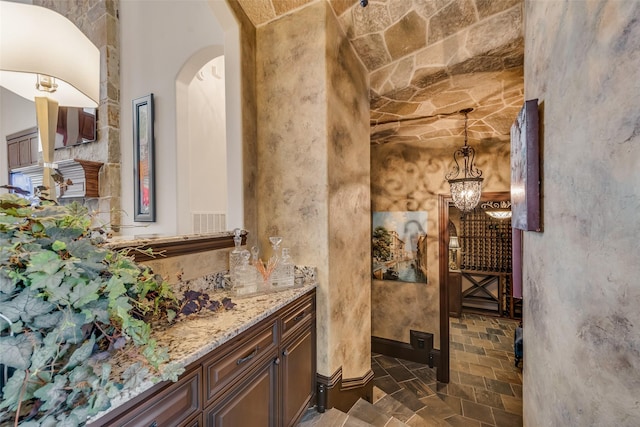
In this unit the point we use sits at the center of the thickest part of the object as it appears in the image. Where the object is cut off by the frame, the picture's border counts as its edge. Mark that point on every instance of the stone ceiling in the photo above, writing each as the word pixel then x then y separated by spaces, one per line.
pixel 429 59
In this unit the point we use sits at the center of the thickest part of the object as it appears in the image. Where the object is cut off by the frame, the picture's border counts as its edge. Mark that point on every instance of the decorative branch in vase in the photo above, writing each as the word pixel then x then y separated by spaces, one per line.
pixel 266 270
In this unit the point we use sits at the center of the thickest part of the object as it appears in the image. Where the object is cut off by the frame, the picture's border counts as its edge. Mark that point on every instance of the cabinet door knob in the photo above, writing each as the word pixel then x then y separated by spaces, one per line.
pixel 277 361
pixel 299 316
pixel 154 424
pixel 285 353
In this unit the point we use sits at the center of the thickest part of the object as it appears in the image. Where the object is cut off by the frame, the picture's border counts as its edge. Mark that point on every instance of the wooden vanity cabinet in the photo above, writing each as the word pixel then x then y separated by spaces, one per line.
pixel 265 376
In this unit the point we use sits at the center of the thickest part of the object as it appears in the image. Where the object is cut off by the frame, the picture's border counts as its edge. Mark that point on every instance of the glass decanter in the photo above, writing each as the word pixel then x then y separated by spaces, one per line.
pixel 286 270
pixel 235 259
pixel 275 259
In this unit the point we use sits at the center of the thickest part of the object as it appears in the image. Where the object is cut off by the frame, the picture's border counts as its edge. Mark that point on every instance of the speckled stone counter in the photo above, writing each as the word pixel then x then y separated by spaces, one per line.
pixel 195 336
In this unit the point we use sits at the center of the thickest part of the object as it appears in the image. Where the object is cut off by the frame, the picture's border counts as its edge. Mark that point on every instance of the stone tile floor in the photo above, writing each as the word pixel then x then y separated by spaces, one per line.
pixel 485 387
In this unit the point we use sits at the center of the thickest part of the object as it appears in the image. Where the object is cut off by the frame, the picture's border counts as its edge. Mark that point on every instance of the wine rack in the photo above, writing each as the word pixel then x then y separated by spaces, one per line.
pixel 486 263
pixel 485 243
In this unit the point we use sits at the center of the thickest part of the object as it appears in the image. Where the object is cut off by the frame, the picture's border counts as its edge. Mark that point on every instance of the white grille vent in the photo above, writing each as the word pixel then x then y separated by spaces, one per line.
pixel 208 222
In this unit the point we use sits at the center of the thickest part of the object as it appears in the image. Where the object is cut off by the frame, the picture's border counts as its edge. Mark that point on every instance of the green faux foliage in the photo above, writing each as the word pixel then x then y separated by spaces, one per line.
pixel 73 304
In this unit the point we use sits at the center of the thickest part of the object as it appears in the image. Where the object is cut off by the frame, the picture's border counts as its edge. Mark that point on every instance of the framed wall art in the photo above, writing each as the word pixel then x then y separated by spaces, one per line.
pixel 143 158
pixel 525 169
pixel 399 246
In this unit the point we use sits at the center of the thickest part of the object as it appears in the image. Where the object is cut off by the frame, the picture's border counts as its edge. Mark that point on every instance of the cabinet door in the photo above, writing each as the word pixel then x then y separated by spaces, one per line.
pixel 298 375
pixel 13 151
pixel 25 152
pixel 33 149
pixel 252 403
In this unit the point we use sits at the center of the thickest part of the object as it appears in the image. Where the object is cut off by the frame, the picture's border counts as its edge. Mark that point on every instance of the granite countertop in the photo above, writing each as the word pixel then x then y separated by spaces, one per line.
pixel 195 336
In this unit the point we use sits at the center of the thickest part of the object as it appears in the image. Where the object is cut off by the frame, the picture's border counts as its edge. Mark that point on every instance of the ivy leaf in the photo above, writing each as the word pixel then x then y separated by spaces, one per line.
pixel 7 283
pixel 10 220
pixel 81 354
pixel 115 287
pixel 101 401
pixel 58 291
pixel 47 321
pixel 106 372
pixel 17 327
pixel 71 328
pixel 135 375
pixel 120 306
pixel 41 280
pixel 16 351
pixel 126 269
pixel 64 234
pixel 172 372
pixel 59 246
pixel 11 390
pixel 26 305
pixel 83 294
pixel 96 311
pixel 52 394
pixel 43 354
pixel 80 374
pixel 85 250
pixel 73 418
pixel 5 251
pixel 44 261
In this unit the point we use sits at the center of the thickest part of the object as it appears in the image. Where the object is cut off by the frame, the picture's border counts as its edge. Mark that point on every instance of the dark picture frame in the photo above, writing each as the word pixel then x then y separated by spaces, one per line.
pixel 525 169
pixel 143 159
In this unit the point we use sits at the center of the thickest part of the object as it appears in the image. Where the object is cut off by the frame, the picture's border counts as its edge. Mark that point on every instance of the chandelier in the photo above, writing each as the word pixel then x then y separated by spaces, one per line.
pixel 465 178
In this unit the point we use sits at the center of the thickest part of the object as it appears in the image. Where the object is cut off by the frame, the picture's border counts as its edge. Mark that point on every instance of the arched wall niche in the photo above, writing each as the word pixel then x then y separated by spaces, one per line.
pixel 201 140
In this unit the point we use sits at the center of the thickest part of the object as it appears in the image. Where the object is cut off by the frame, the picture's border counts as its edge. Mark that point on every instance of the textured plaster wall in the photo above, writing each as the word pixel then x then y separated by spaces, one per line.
pixel 409 177
pixel 581 289
pixel 349 202
pixel 312 177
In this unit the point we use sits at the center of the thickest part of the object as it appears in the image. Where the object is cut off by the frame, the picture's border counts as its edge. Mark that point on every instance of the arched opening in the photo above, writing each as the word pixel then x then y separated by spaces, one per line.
pixel 202 143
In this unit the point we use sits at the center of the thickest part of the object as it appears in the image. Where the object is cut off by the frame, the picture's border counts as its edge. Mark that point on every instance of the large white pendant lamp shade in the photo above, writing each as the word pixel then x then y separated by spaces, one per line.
pixel 35 40
pixel 44 57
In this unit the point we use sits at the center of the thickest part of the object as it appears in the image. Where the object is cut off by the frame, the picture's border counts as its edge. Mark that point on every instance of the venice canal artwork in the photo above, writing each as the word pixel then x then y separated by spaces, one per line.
pixel 399 246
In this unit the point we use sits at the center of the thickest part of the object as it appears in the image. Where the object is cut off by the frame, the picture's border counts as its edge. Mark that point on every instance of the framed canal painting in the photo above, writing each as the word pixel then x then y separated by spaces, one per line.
pixel 399 246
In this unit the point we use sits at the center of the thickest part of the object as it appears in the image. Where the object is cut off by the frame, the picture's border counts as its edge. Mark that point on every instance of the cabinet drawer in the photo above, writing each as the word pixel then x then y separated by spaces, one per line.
pixel 232 361
pixel 169 407
pixel 298 315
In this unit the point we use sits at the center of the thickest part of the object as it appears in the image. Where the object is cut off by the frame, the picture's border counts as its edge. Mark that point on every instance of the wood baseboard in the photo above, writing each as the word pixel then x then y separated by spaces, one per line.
pixel 419 348
pixel 339 393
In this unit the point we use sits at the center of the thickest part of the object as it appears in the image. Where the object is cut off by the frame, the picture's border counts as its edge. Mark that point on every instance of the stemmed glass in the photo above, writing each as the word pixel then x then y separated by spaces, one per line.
pixel 275 246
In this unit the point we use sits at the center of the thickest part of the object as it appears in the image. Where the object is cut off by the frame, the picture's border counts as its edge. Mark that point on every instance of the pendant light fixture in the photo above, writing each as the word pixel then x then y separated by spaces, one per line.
pixel 465 179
